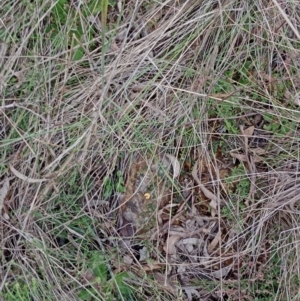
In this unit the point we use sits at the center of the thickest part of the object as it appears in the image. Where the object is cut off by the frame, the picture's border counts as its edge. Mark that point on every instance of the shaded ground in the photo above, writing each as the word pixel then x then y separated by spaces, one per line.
pixel 152 158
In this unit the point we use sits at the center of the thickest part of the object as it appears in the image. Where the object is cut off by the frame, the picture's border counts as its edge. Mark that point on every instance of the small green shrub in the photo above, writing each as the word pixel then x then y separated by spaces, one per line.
pixel 279 129
pixel 103 281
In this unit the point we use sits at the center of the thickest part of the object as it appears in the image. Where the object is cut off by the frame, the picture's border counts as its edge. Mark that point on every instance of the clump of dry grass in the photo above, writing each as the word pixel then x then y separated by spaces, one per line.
pixel 186 78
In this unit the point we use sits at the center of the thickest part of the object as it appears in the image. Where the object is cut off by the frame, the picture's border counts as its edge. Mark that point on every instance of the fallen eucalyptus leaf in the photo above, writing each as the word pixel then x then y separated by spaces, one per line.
pixel 175 164
pixel 151 266
pixel 248 131
pixel 169 246
pixel 190 291
pixel 190 244
pixel 4 191
pixel 128 260
pixel 213 205
pixel 144 254
pixel 214 200
pixel 222 272
pixel 258 151
pixel 3 49
pixel 24 178
pixel 191 241
pixel 243 157
pixel 214 242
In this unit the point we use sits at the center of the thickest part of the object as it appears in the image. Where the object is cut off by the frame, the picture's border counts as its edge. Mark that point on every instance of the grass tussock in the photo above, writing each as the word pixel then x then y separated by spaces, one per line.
pixel 99 99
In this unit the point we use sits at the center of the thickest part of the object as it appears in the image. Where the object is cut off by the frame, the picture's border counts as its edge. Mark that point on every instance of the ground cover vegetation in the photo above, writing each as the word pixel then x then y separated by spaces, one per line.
pixel 149 150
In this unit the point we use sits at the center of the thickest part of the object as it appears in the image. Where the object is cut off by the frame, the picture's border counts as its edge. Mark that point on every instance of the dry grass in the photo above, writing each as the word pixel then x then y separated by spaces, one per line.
pixel 172 77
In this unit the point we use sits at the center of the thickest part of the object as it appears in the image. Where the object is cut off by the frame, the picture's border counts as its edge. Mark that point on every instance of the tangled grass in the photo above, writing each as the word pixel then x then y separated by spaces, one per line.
pixel 187 78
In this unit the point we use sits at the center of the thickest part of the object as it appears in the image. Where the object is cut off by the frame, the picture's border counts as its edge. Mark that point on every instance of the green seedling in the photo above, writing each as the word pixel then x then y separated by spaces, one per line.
pixel 114 185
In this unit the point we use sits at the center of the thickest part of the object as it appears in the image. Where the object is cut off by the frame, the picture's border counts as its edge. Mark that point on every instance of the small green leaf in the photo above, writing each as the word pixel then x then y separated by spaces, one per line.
pixel 98 266
pixel 268 117
pixel 60 12
pixel 108 187
pixel 123 286
pixel 120 188
pixel 85 295
pixel 78 54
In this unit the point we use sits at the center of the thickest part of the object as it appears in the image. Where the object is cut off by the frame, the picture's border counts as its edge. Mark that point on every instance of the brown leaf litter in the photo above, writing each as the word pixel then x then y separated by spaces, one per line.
pixel 193 240
pixel 183 230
